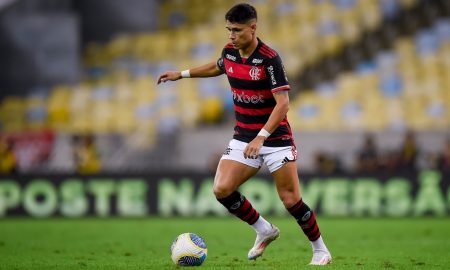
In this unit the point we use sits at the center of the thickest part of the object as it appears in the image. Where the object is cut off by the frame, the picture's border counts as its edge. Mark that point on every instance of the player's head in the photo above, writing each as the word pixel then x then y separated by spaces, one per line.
pixel 241 24
pixel 241 13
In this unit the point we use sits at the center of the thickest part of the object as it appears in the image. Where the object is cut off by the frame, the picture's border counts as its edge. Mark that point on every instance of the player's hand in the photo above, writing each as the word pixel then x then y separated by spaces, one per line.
pixel 169 76
pixel 253 147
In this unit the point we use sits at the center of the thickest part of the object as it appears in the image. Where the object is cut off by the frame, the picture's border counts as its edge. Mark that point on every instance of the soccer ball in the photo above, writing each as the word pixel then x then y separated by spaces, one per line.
pixel 188 249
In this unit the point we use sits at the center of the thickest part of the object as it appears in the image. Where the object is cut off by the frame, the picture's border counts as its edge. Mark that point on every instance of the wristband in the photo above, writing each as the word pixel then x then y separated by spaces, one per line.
pixel 185 73
pixel 264 133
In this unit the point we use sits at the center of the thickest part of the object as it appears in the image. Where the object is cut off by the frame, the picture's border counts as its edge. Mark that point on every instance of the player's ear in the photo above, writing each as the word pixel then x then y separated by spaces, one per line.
pixel 253 27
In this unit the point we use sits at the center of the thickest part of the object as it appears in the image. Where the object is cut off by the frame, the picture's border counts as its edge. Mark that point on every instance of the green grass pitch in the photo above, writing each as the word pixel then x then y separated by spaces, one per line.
pixel 145 243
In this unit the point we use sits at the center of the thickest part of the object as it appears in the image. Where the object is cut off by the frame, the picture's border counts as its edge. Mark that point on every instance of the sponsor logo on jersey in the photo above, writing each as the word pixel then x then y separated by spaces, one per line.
pixel 255 73
pixel 272 75
pixel 242 97
pixel 230 57
pixel 230 70
pixel 257 61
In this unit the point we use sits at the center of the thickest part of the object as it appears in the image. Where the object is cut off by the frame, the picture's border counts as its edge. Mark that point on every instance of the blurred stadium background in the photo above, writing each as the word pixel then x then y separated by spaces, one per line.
pixel 78 99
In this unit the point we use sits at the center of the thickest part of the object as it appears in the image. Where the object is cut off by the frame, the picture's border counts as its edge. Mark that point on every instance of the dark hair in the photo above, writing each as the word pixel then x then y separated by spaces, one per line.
pixel 241 13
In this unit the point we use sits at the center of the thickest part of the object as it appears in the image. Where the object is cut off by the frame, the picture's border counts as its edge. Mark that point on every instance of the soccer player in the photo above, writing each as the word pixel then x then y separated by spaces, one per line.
pixel 262 132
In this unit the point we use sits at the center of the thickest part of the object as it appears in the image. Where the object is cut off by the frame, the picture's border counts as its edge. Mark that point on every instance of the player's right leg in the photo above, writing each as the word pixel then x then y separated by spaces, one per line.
pixel 234 170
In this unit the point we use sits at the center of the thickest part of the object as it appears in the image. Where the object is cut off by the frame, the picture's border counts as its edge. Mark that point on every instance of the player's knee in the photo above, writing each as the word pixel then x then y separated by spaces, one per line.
pixel 221 191
pixel 289 199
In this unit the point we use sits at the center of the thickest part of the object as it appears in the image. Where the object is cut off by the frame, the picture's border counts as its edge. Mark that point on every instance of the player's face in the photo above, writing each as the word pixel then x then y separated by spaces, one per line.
pixel 241 34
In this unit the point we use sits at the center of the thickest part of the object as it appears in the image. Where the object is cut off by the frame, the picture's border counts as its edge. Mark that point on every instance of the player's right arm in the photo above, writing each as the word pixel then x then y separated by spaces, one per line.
pixel 207 70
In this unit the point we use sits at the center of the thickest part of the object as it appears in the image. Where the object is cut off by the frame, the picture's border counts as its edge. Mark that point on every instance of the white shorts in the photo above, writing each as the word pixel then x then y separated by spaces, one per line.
pixel 273 157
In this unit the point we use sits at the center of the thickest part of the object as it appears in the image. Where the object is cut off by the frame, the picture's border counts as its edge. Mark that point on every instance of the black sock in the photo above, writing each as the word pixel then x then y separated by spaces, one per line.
pixel 306 219
pixel 239 206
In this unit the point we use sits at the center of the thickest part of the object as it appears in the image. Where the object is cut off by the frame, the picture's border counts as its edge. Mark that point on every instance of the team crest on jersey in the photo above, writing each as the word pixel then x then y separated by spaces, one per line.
pixel 255 73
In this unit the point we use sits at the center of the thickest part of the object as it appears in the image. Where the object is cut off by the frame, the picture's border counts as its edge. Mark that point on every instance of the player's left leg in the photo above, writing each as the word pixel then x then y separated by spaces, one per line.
pixel 288 187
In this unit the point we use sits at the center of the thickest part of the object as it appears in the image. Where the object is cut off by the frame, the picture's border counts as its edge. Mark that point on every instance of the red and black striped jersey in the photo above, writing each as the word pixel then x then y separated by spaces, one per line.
pixel 253 82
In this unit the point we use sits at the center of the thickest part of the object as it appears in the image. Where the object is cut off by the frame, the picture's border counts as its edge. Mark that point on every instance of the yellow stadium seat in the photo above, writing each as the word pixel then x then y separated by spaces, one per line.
pixel 58 107
pixel 211 110
pixel 12 114
pixel 375 114
pixel 407 4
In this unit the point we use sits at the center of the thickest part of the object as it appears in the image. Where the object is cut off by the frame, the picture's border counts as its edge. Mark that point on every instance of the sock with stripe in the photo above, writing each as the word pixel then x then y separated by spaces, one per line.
pixel 306 219
pixel 238 205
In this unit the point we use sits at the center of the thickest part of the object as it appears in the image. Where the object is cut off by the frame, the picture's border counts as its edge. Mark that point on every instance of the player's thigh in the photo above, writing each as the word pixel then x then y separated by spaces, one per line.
pixel 287 183
pixel 230 175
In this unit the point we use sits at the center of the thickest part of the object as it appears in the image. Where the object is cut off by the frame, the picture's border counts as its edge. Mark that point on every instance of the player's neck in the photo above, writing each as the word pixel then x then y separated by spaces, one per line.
pixel 246 52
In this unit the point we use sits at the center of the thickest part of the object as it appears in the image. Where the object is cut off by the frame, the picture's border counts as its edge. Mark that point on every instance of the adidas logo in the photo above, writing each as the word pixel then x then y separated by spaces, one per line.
pixel 230 70
pixel 286 160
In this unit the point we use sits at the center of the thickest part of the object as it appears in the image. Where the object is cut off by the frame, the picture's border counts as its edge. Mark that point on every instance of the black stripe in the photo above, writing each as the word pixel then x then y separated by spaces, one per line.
pixel 254 219
pixel 230 200
pixel 252 216
pixel 280 131
pixel 243 214
pixel 252 119
pixel 251 133
pixel 244 84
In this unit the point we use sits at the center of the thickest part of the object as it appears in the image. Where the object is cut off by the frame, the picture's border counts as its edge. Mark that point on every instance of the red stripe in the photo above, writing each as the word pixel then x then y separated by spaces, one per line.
pixel 288 126
pixel 279 137
pixel 256 126
pixel 243 208
pixel 314 233
pixel 241 71
pixel 281 88
pixel 271 54
pixel 297 206
pixel 249 126
pixel 266 54
pixel 269 49
pixel 246 218
pixel 267 93
pixel 253 111
pixel 311 220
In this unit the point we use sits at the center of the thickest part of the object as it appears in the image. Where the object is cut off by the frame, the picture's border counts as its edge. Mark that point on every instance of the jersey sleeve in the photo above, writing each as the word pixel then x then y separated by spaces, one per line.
pixel 220 63
pixel 277 75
